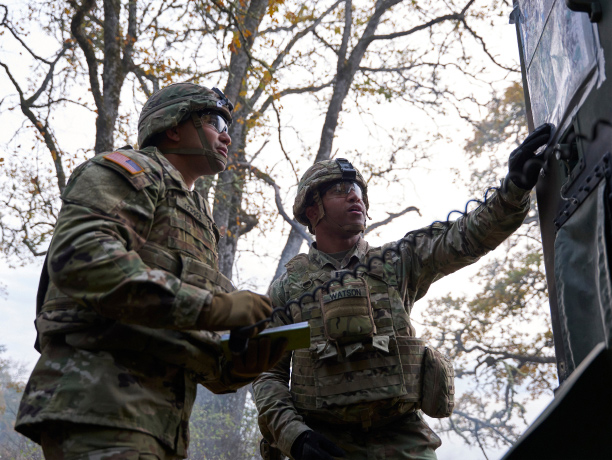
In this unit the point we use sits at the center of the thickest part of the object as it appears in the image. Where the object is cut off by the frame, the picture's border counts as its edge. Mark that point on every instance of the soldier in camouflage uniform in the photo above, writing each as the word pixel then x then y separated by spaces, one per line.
pixel 356 392
pixel 131 292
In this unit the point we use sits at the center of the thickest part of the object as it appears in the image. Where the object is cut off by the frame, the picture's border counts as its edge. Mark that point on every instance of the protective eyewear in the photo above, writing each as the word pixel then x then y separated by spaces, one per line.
pixel 215 120
pixel 343 188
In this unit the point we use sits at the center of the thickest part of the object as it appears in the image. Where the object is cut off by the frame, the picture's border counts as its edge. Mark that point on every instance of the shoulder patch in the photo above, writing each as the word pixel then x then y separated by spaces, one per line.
pixel 298 263
pixel 125 162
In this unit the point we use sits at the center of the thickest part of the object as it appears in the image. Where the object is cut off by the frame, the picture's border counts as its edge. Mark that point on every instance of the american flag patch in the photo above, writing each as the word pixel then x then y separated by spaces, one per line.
pixel 124 162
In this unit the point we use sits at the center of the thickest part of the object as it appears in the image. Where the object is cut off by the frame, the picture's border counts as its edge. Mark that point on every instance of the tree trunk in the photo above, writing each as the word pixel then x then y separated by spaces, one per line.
pixel 112 79
pixel 346 70
pixel 227 204
pixel 292 247
pixel 228 411
pixel 114 66
pixel 228 194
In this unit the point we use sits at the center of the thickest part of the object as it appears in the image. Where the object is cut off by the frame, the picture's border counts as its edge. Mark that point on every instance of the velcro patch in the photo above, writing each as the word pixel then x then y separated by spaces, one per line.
pixel 343 293
pixel 125 162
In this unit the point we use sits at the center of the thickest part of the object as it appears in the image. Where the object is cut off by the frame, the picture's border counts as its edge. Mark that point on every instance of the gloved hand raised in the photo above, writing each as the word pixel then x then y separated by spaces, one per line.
pixel 258 357
pixel 311 445
pixel 524 167
pixel 236 309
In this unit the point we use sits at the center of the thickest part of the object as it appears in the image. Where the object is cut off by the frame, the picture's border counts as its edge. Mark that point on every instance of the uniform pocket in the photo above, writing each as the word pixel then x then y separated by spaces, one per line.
pixel 438 384
pixel 204 276
pixel 347 313
pixel 411 351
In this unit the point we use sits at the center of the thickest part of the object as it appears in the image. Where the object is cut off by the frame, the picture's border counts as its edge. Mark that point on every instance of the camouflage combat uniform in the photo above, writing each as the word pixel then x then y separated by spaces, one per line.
pixel 358 394
pixel 132 264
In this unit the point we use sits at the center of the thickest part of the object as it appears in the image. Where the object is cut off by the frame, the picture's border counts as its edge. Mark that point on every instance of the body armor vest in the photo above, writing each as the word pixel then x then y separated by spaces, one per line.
pixel 183 241
pixel 362 345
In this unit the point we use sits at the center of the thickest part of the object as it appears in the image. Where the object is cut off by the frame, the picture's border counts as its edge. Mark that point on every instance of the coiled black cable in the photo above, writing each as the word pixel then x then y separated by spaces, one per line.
pixel 240 336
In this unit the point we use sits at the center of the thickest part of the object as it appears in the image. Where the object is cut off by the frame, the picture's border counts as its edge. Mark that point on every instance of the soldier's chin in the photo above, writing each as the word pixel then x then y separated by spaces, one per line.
pixel 354 229
pixel 217 163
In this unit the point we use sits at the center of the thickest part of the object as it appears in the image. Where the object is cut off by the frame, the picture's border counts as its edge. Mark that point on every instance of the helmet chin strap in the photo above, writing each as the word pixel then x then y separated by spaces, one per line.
pixel 211 155
pixel 351 229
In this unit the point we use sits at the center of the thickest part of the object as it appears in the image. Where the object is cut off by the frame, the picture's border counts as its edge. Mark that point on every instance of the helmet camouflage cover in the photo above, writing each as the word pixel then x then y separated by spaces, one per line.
pixel 169 106
pixel 321 173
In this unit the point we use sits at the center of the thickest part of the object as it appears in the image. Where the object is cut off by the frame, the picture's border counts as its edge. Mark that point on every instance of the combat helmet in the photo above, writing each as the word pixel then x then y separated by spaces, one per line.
pixel 169 106
pixel 318 175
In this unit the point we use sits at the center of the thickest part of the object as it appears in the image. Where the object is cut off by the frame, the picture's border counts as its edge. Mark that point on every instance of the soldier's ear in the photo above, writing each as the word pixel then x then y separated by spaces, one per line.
pixel 173 134
pixel 312 213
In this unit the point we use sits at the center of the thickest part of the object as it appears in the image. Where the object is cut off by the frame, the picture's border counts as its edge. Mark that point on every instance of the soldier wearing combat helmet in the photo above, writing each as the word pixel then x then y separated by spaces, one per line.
pixel 360 389
pixel 319 179
pixel 131 294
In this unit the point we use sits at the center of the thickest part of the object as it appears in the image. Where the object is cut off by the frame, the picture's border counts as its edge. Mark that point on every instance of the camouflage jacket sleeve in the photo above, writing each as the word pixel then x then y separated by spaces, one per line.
pixel 279 421
pixel 436 251
pixel 104 221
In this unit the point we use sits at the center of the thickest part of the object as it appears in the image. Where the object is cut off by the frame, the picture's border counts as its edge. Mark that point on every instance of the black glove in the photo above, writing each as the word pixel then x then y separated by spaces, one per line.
pixel 268 452
pixel 524 167
pixel 311 445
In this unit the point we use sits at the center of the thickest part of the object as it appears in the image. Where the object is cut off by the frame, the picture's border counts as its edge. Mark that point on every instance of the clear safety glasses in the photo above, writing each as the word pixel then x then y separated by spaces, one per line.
pixel 215 120
pixel 343 189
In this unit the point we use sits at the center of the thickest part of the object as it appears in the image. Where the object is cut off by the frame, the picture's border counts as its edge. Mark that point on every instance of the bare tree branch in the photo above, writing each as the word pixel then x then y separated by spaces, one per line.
pixel 486 50
pixel 286 92
pixel 131 36
pixel 280 142
pixel 346 35
pixel 18 38
pixel 277 198
pixel 76 27
pixel 447 17
pixel 283 54
pixel 325 42
pixel 42 129
pixel 485 423
pixel 519 357
pixel 391 217
pixel 49 75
